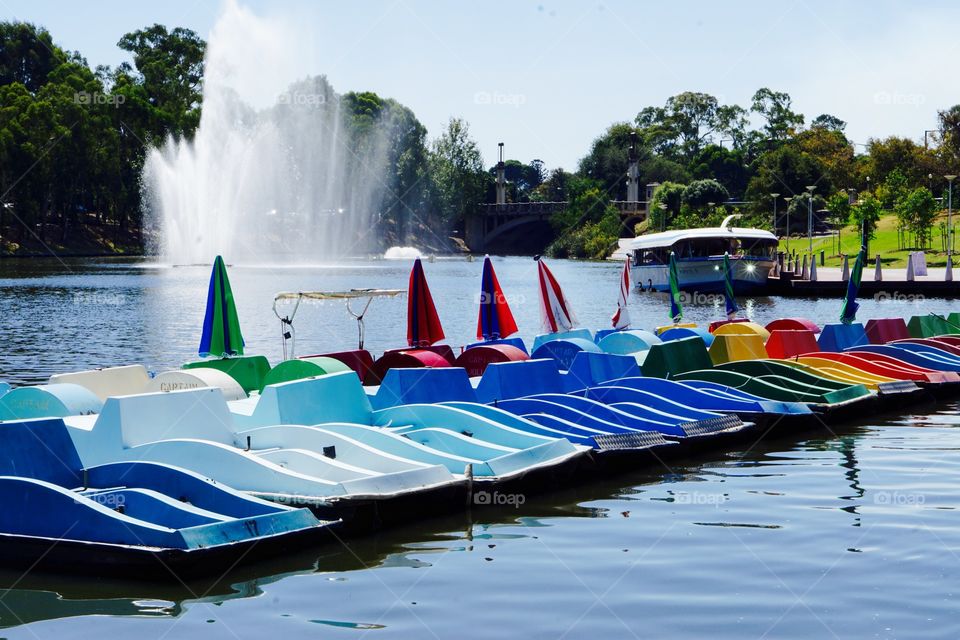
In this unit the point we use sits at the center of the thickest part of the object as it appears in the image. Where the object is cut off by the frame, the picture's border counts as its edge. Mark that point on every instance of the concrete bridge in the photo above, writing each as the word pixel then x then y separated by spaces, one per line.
pixel 524 227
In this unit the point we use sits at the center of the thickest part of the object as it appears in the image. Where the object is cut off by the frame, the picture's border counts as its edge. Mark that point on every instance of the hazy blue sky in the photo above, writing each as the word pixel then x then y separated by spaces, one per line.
pixel 547 77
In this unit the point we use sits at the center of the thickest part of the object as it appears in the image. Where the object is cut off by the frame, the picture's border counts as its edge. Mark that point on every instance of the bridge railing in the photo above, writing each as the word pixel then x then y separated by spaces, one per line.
pixel 625 207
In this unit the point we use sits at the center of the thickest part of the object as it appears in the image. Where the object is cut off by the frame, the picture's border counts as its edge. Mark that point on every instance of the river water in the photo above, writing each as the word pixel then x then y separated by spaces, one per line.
pixel 847 533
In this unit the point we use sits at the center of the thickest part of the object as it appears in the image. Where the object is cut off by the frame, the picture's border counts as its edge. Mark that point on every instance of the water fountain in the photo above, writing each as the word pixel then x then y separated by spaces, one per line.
pixel 275 172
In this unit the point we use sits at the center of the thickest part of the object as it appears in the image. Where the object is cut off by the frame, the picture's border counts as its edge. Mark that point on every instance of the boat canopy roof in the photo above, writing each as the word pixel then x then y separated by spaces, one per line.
pixel 669 238
pixel 338 295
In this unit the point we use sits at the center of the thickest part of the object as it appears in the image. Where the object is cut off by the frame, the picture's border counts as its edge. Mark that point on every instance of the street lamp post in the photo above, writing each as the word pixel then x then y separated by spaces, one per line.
pixel 810 218
pixel 950 179
pixel 774 196
pixel 787 200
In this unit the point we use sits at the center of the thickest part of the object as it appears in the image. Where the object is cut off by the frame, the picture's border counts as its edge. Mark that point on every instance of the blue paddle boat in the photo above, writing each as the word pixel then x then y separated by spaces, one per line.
pixel 132 519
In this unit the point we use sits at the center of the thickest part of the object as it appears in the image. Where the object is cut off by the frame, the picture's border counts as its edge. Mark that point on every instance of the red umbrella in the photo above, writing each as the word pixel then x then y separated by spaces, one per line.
pixel 423 323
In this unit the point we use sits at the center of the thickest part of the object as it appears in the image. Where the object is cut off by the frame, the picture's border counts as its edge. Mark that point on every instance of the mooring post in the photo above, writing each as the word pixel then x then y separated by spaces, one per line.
pixel 804 272
pixel 911 275
pixel 813 269
pixel 846 268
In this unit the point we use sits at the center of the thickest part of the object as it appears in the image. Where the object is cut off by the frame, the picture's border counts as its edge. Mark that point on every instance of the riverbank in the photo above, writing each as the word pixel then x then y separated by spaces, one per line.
pixel 84 241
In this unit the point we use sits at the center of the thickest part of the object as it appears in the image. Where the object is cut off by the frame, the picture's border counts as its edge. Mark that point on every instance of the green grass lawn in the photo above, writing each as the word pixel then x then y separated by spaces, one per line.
pixel 884 242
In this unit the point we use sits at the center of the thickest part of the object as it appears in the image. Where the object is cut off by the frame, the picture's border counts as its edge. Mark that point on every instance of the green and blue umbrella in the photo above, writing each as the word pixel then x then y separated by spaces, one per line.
pixel 848 313
pixel 676 310
pixel 731 301
pixel 221 328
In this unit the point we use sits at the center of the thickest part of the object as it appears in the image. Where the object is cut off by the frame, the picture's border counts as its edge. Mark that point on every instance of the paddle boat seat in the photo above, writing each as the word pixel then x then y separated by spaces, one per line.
pixel 929 326
pixel 578 334
pixel 628 342
pixel 590 369
pixel 677 333
pixel 48 401
pixel 248 371
pixel 792 324
pixel 511 342
pixel 300 368
pixel 475 359
pixel 563 350
pixel 359 360
pixel 884 330
pixel 840 337
pixel 671 358
pixel 111 381
pixel 133 518
pixel 199 378
pixel 404 359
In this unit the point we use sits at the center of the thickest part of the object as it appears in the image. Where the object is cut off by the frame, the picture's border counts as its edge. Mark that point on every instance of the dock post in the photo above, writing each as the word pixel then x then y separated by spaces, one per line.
pixel 796 265
pixel 911 275
pixel 804 273
pixel 846 268
pixel 948 276
pixel 813 269
pixel 878 274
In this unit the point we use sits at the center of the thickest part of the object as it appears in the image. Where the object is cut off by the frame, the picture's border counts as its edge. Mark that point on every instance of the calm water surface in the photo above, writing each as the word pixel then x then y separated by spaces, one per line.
pixel 846 534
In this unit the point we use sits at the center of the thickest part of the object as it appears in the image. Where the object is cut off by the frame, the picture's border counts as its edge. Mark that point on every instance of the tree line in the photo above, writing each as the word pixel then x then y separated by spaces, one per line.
pixel 73 140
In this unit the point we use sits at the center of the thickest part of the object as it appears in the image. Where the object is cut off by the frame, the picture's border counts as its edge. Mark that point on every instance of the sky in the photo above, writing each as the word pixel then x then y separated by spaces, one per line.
pixel 547 77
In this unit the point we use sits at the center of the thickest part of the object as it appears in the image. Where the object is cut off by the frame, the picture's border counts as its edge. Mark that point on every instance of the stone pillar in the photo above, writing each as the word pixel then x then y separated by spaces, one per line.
pixel 633 170
pixel 501 180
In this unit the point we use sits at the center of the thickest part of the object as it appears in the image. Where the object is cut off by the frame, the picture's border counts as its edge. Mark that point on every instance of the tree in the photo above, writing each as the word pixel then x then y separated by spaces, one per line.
pixel 703 192
pixel 170 64
pixel 865 214
pixel 833 150
pixel 774 106
pixel 787 171
pixel 901 154
pixel 665 205
pixel 829 123
pixel 607 159
pixel 726 166
pixel 456 167
pixel 918 209
pixel 688 122
pixel 27 55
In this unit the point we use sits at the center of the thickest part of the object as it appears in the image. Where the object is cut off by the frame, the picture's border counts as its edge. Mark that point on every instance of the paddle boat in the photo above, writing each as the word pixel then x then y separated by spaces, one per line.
pixel 135 519
pixel 194 429
pixel 535 390
pixel 493 456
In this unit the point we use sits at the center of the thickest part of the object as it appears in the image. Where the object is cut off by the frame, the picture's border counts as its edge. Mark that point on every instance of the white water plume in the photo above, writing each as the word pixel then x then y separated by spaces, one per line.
pixel 275 172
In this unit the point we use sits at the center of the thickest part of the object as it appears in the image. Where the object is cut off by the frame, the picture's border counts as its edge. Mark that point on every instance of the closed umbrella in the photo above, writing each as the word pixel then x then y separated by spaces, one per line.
pixel 423 323
pixel 676 310
pixel 555 311
pixel 621 319
pixel 848 313
pixel 732 307
pixel 495 320
pixel 221 328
